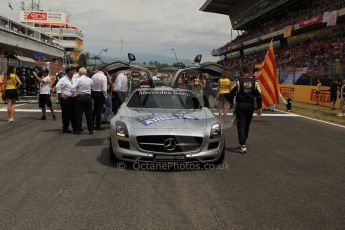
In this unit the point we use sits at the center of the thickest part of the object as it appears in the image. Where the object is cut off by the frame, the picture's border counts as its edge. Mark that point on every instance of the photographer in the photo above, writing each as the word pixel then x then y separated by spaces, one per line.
pixel 44 97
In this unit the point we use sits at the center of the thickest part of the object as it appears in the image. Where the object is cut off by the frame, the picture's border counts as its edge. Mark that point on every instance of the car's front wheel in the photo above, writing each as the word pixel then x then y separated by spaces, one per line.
pixel 222 156
pixel 113 159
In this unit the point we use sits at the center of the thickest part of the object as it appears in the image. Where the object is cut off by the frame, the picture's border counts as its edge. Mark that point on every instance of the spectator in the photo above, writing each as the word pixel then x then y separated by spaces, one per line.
pixel 82 89
pixel 206 90
pixel 334 92
pixel 120 89
pixel 11 93
pixel 99 95
pixel 342 99
pixel 65 94
pixel 224 84
pixel 318 91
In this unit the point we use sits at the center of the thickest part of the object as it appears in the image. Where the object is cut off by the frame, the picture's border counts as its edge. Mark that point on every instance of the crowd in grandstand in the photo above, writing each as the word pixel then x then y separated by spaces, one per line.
pixel 311 53
pixel 292 17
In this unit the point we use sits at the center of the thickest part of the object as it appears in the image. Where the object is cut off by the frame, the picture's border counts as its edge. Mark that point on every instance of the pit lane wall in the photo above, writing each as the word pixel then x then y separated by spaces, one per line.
pixel 307 94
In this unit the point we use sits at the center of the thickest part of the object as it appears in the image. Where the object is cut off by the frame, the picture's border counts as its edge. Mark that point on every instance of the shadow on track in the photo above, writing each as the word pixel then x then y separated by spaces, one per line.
pixel 232 150
pixel 91 142
pixel 52 131
pixel 171 167
pixel 103 158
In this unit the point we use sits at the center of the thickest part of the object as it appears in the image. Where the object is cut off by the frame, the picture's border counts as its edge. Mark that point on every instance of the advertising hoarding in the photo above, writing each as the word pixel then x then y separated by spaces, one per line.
pixel 43 17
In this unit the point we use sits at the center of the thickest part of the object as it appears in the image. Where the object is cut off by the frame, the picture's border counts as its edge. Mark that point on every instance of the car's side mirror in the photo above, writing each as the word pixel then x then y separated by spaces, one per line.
pixel 131 57
pixel 198 58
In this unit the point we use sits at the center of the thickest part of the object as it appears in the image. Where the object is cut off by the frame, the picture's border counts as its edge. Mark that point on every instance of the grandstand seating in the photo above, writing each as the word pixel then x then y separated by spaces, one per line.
pixel 291 17
pixel 315 48
pixel 306 54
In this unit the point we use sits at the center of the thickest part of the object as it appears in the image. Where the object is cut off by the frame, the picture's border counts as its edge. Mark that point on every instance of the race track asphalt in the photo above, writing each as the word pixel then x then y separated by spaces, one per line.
pixel 293 177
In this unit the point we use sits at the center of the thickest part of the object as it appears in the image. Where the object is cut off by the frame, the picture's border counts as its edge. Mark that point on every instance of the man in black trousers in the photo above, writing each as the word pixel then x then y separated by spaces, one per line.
pixel 64 91
pixel 246 90
pixel 99 95
pixel 81 87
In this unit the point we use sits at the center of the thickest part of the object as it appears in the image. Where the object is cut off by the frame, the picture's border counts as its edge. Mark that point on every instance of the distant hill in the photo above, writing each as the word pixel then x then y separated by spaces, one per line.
pixel 146 57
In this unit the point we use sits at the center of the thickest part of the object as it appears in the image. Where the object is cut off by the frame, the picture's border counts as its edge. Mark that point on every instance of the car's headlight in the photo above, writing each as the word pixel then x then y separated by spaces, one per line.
pixel 216 131
pixel 121 129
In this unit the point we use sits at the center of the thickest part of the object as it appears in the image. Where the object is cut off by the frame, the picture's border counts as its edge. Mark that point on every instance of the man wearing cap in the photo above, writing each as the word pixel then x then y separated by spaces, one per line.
pixel 44 96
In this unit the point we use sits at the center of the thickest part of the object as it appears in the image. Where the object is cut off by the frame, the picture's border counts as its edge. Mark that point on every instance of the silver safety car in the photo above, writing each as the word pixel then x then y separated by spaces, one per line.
pixel 164 124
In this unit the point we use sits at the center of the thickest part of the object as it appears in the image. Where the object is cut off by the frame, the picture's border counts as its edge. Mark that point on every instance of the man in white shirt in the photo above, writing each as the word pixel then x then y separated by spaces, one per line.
pixel 44 96
pixel 120 89
pixel 99 95
pixel 75 73
pixel 64 91
pixel 82 87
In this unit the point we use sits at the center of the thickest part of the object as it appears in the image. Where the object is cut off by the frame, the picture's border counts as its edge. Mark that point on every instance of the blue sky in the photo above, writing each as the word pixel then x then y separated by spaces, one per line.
pixel 147 26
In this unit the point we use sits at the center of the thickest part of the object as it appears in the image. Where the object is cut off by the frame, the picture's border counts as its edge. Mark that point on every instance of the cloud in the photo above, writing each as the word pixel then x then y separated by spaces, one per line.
pixel 149 26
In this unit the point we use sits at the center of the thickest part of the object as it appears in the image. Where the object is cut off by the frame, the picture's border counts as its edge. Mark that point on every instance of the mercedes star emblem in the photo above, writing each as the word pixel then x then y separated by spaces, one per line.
pixel 170 144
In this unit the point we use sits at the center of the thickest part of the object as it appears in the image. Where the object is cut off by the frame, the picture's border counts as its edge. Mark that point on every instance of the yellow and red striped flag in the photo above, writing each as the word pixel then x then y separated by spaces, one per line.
pixel 268 79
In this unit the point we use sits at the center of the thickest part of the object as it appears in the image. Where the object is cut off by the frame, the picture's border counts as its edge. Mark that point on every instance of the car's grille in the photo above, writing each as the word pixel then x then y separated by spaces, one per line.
pixel 169 144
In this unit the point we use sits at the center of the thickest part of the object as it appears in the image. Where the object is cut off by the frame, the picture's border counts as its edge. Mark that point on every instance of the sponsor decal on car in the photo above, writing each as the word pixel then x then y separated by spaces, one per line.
pixel 147 122
pixel 163 92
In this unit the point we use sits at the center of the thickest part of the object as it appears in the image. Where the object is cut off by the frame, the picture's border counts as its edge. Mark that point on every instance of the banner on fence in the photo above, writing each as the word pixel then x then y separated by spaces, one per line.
pixel 306 94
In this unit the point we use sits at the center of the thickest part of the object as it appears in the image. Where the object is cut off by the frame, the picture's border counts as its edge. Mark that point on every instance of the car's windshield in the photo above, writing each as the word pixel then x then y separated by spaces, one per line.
pixel 163 99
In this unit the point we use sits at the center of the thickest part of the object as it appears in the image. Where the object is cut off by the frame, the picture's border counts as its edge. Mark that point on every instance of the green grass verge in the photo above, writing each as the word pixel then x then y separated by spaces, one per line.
pixel 314 111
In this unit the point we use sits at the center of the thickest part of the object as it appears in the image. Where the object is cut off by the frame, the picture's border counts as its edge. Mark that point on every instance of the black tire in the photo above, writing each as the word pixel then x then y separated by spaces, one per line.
pixel 113 159
pixel 221 159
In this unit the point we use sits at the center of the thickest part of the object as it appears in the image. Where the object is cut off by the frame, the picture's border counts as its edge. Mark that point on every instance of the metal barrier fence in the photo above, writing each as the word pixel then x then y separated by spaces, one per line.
pixel 330 72
pixel 30 86
pixel 310 76
pixel 53 68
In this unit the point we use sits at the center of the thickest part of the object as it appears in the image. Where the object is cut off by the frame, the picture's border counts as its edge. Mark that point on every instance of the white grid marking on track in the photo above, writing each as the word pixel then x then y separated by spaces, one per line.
pixel 313 119
pixel 29 110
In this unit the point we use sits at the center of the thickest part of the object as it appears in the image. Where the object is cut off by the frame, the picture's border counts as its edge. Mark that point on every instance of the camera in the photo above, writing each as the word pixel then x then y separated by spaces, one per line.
pixel 38 70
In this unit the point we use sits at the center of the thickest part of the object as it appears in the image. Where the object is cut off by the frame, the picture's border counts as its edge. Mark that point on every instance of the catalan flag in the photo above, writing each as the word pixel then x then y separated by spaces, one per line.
pixel 268 79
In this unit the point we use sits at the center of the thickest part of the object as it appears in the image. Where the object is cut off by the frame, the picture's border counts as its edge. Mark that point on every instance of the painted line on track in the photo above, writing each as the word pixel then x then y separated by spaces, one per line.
pixel 314 119
pixel 29 110
pixel 4 109
pixel 59 111
pixel 285 114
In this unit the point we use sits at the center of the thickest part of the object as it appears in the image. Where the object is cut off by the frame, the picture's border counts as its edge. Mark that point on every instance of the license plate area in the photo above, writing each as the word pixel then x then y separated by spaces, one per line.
pixel 170 158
